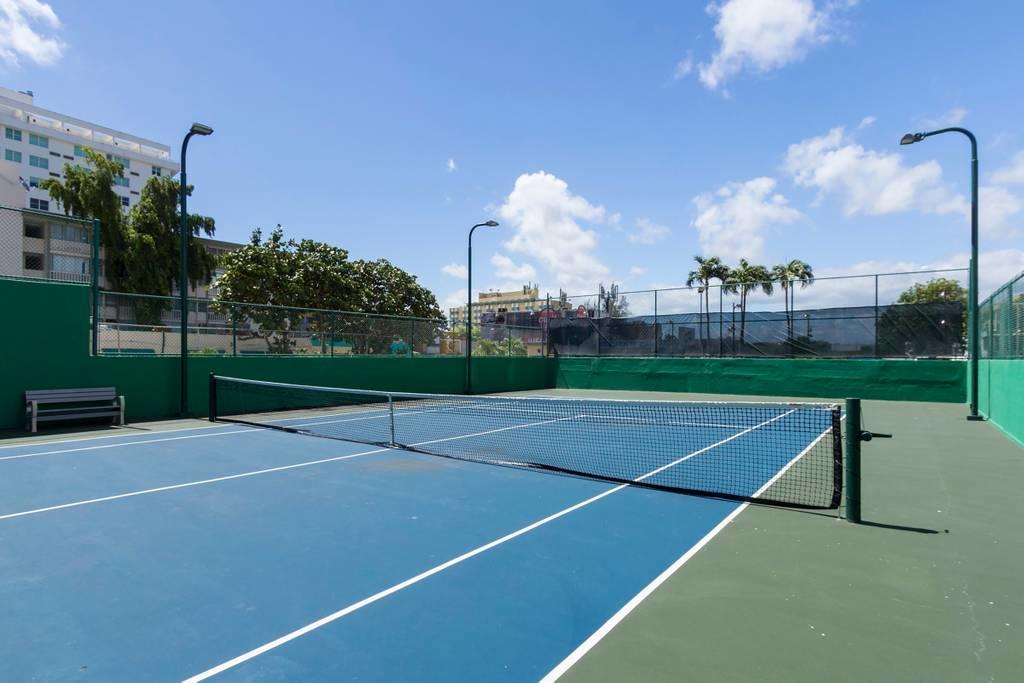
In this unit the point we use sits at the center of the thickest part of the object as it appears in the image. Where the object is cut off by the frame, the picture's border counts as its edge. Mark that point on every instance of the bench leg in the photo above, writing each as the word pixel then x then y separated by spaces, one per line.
pixel 33 414
pixel 120 402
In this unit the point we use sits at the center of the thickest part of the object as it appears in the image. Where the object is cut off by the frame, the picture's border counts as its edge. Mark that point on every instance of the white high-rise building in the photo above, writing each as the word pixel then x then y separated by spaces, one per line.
pixel 36 143
pixel 39 142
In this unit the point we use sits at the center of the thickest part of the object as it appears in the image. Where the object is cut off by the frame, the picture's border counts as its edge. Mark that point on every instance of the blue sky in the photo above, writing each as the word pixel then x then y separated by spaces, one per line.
pixel 613 141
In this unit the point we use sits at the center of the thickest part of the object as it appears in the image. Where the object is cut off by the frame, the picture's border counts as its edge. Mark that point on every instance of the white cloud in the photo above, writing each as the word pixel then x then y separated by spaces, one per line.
pixel 869 182
pixel 545 217
pixel 451 166
pixel 456 270
pixel 507 269
pixel 765 35
pixel 730 221
pixel 953 117
pixel 24 29
pixel 997 208
pixel 636 271
pixel 684 67
pixel 454 299
pixel 1012 174
pixel 867 121
pixel 648 232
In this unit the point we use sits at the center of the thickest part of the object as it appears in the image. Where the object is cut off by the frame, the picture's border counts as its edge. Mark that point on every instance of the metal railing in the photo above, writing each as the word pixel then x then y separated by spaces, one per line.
pixel 841 316
pixel 1001 321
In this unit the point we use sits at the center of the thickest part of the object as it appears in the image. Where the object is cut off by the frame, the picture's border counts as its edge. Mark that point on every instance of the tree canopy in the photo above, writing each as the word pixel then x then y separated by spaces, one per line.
pixel 141 248
pixel 935 291
pixel 275 276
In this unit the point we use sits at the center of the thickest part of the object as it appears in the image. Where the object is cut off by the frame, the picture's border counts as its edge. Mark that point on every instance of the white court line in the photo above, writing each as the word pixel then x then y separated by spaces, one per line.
pixel 248 430
pixel 644 593
pixel 241 475
pixel 122 433
pixel 334 616
pixel 121 445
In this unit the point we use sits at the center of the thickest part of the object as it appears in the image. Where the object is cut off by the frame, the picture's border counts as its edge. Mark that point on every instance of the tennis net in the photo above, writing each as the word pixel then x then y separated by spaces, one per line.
pixel 778 453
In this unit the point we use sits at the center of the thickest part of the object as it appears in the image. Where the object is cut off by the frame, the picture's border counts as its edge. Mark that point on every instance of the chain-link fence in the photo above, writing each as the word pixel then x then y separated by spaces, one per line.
pixel 1001 321
pixel 144 324
pixel 40 245
pixel 858 316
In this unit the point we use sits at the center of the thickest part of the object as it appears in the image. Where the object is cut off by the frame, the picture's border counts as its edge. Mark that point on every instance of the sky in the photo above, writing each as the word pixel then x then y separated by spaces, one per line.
pixel 612 141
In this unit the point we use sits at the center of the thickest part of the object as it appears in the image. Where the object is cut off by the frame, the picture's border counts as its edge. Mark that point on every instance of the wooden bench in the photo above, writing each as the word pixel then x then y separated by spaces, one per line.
pixel 105 403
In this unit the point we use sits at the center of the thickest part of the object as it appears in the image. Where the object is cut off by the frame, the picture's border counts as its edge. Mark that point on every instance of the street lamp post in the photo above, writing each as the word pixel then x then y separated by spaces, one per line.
pixel 196 129
pixel 469 304
pixel 972 295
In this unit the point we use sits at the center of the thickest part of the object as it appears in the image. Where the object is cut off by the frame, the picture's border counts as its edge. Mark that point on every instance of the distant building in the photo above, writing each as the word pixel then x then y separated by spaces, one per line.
pixel 506 305
pixel 38 142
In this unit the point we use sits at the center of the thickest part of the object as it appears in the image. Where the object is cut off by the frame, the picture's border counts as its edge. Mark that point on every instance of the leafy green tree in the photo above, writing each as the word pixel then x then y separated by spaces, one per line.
pixel 141 248
pixel 88 192
pixel 744 279
pixel 788 275
pixel 153 245
pixel 312 275
pixel 708 269
pixel 936 290
pixel 927 319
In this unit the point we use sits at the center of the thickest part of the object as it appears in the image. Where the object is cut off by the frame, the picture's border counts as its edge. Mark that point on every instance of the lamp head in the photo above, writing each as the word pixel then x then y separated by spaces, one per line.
pixel 200 129
pixel 911 138
pixel 491 224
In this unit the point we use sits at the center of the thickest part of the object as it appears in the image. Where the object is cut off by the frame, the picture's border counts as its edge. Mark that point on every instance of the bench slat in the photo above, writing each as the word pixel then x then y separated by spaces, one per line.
pixel 66 395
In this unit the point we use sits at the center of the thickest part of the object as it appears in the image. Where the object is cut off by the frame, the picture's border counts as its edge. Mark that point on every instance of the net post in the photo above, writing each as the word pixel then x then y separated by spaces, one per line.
pixel 391 417
pixel 213 398
pixel 852 474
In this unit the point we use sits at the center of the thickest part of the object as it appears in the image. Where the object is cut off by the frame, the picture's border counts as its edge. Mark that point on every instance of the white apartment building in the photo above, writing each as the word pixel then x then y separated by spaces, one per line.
pixel 36 145
pixel 39 142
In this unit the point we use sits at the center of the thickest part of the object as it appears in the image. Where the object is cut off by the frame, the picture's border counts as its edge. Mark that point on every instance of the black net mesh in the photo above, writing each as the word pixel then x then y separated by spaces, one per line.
pixel 784 454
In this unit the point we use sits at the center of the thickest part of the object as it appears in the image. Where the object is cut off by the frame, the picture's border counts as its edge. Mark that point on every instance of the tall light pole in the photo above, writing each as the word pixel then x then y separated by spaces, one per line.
pixel 196 129
pixel 469 304
pixel 972 294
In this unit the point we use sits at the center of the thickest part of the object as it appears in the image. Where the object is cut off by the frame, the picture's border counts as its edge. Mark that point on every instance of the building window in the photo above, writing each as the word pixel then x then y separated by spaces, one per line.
pixel 39 204
pixel 120 160
pixel 38 162
pixel 34 181
pixel 157 171
pixel 79 151
pixel 13 134
pixel 13 155
pixel 124 201
pixel 121 180
pixel 38 140
pixel 68 232
pixel 59 263
pixel 33 261
pixel 34 230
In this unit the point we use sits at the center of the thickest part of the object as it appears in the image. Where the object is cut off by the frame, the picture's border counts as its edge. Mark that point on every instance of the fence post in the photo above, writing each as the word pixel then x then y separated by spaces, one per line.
pixel 876 314
pixel 657 330
pixel 544 326
pixel 412 336
pixel 721 292
pixel 95 287
pixel 234 330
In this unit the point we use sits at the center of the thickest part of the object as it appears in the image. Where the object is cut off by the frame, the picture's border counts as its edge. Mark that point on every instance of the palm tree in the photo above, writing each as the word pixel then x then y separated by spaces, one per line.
pixel 710 268
pixel 744 279
pixel 788 274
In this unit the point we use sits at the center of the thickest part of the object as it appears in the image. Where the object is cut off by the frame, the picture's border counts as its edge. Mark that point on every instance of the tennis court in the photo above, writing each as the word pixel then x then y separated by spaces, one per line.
pixel 241 553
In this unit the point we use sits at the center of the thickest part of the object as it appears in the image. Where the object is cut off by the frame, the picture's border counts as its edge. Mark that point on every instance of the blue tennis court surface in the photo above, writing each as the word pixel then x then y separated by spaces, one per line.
pixel 238 553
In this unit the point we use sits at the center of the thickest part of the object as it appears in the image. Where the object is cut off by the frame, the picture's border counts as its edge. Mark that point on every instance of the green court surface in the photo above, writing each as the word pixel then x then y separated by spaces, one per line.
pixel 927 589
